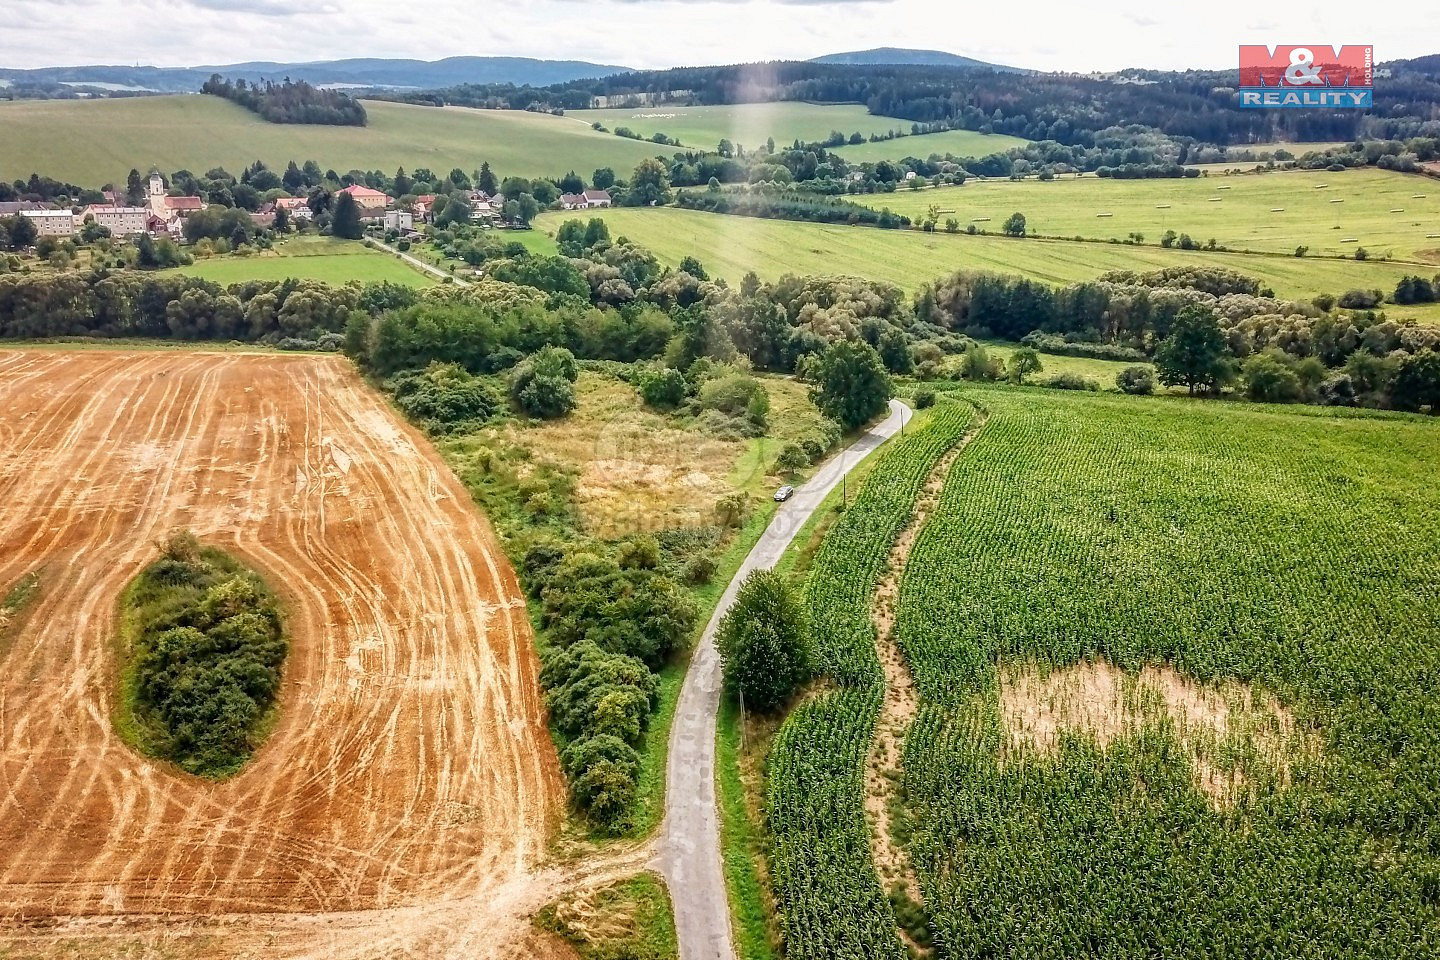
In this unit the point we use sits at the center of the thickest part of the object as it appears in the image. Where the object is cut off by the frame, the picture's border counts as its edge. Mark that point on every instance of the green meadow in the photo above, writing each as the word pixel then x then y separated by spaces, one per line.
pixel 959 143
pixel 310 258
pixel 730 246
pixel 747 124
pixel 1389 214
pixel 94 142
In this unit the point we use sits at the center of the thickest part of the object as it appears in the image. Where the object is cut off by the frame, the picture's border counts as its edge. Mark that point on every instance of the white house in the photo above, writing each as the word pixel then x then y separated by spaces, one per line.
pixel 399 220
pixel 596 198
pixel 573 201
pixel 51 223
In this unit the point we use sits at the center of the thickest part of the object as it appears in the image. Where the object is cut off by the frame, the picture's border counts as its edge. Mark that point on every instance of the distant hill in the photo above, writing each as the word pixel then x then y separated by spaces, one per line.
pixel 354 73
pixel 901 55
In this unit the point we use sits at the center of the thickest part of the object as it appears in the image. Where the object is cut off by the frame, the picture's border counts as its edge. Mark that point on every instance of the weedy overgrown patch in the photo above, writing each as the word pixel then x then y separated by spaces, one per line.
pixel 16 603
pixel 629 919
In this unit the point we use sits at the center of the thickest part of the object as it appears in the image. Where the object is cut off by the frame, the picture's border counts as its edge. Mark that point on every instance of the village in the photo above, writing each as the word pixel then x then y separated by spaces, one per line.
pixel 164 214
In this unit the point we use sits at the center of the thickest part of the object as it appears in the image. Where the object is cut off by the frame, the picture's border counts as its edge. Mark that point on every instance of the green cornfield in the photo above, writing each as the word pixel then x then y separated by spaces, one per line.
pixel 832 905
pixel 1292 552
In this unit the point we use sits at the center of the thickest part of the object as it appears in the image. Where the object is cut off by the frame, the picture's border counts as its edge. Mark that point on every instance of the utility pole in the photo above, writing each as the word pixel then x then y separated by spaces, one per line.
pixel 742 722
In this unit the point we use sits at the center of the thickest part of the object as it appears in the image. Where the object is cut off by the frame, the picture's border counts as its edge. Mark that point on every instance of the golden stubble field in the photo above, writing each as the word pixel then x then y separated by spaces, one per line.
pixel 403 802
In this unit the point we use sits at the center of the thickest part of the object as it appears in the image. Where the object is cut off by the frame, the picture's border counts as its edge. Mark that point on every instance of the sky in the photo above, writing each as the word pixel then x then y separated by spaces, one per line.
pixel 1078 35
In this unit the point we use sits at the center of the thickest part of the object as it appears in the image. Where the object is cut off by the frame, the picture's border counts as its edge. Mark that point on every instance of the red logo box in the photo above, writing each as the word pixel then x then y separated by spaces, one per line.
pixel 1306 66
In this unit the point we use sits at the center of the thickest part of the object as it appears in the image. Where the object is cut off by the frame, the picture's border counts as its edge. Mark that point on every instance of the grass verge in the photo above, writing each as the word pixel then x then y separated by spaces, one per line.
pixel 631 918
pixel 742 747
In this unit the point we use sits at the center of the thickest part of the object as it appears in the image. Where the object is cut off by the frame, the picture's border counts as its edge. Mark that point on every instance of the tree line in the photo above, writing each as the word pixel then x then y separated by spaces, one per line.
pixel 1067 108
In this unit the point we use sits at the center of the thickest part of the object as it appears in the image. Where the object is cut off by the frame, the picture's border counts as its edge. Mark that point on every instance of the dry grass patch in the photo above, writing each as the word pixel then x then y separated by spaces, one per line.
pixel 1237 740
pixel 637 469
pixel 640 470
pixel 627 918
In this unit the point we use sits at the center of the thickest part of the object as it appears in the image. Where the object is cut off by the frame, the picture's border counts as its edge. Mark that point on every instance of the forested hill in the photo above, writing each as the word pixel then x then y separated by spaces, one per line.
pixel 353 73
pixel 902 55
pixel 1069 108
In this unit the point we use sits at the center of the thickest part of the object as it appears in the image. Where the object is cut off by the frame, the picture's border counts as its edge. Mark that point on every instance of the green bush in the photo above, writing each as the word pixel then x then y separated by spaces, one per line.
pixel 979 364
pixel 792 458
pixel 1137 380
pixel 924 397
pixel 205 648
pixel 1072 381
pixel 662 387
pixel 731 392
pixel 543 384
pixel 444 398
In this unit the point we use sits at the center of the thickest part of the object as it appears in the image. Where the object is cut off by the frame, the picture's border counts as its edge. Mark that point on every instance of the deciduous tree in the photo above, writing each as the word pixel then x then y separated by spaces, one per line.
pixel 764 643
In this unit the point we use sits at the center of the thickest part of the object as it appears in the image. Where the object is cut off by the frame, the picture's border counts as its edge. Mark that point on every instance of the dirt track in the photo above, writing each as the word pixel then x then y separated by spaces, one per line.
pixel 409 788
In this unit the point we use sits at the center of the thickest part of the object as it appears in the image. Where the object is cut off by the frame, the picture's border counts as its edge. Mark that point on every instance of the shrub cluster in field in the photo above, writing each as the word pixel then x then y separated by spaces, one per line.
pixel 204 657
pixel 611 617
pixel 1234 546
pixel 830 900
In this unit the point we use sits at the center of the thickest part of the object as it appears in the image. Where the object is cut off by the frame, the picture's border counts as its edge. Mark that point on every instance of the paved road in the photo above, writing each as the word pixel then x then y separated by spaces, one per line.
pixel 417 263
pixel 689 849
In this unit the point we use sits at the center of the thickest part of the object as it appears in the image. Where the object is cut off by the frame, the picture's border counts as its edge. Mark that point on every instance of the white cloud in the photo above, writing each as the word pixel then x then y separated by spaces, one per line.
pixel 1049 34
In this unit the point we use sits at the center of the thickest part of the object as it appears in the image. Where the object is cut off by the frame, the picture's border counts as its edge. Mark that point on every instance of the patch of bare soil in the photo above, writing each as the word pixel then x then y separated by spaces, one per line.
pixel 1234 737
pixel 407 793
pixel 897 710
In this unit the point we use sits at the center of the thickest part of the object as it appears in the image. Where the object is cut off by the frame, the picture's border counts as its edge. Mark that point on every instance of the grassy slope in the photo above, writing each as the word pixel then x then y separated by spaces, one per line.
pixel 747 124
pixel 960 143
pixel 92 142
pixel 729 246
pixel 310 258
pixel 1241 218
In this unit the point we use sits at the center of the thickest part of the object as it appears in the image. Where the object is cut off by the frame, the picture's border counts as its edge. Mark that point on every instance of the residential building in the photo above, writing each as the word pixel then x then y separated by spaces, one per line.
pixel 295 207
pixel 51 223
pixel 423 205
pixel 596 198
pixel 158 226
pixel 371 202
pixel 401 220
pixel 574 201
pixel 8 208
pixel 121 221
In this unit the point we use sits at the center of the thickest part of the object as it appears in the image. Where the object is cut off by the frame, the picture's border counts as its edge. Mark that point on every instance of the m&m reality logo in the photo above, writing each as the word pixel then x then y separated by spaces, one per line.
pixel 1306 76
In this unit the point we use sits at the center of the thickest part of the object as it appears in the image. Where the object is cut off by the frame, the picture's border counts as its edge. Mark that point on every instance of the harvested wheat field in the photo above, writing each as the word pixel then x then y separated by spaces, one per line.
pixel 409 786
